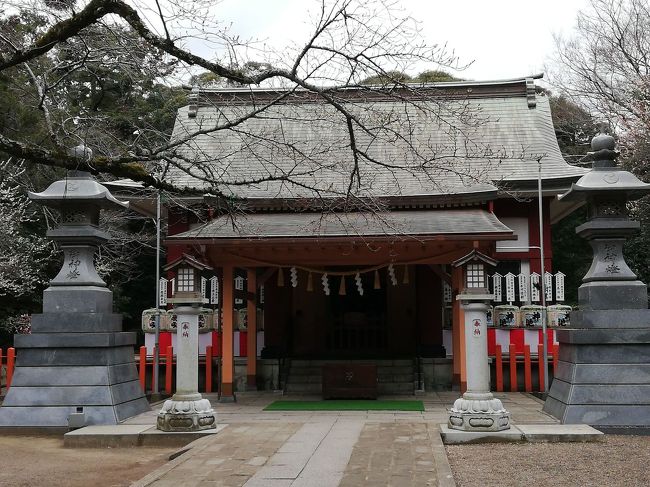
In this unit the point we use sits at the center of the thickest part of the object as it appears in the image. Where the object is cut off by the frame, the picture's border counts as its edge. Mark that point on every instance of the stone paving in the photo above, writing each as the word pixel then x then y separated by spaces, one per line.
pixel 323 448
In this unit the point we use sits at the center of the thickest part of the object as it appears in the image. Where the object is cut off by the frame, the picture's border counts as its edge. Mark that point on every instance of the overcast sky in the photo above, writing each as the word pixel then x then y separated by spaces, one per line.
pixel 504 38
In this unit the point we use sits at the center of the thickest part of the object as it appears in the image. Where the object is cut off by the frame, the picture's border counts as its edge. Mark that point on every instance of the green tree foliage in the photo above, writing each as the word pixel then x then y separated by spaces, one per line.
pixel 104 87
pixel 572 254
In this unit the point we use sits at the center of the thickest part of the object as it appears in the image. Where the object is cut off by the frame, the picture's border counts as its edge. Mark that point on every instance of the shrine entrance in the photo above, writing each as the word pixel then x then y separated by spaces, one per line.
pixel 358 324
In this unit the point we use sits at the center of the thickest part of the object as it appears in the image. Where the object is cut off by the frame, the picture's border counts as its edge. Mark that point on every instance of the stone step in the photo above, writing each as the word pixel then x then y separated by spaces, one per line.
pixel 306 370
pixel 398 369
pixel 304 388
pixel 305 379
pixel 378 362
pixel 395 388
pixel 406 378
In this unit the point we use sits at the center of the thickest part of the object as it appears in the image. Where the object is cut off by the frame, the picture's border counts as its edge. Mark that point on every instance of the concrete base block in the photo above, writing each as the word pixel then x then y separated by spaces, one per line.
pixel 608 295
pixel 131 435
pixel 603 377
pixel 532 433
pixel 457 437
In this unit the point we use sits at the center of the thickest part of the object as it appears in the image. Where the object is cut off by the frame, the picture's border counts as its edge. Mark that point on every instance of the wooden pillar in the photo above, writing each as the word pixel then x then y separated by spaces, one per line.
pixel 251 311
pixel 228 351
pixel 458 331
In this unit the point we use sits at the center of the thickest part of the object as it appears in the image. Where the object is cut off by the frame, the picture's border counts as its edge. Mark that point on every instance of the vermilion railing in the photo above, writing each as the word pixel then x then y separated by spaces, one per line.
pixel 520 356
pixel 7 366
pixel 167 360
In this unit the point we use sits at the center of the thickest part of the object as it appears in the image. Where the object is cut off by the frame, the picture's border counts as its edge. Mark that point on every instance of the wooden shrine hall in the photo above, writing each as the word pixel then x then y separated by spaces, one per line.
pixel 328 281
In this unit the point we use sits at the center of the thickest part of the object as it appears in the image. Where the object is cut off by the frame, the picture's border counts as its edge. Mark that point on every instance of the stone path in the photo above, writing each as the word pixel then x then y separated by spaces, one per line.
pixel 322 448
pixel 394 454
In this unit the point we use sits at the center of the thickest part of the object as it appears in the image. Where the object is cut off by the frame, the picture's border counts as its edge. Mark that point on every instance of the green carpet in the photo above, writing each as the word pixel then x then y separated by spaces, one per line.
pixel 345 405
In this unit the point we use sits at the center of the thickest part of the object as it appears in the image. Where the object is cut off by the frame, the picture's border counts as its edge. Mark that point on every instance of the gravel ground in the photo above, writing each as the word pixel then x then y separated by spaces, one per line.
pixel 617 461
pixel 43 461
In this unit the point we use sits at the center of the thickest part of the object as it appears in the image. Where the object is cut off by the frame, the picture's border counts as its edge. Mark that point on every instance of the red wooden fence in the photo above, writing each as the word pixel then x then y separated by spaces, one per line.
pixel 9 366
pixel 517 351
pixel 168 360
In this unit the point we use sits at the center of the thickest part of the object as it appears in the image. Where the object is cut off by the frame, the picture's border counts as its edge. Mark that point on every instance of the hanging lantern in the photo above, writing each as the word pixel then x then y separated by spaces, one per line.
pixel 294 277
pixel 377 281
pixel 280 277
pixel 405 279
pixel 342 286
pixel 357 279
pixel 310 283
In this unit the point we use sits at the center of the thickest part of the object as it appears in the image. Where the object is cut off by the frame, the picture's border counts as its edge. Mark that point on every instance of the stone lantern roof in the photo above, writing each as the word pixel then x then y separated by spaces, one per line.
pixel 78 187
pixel 606 175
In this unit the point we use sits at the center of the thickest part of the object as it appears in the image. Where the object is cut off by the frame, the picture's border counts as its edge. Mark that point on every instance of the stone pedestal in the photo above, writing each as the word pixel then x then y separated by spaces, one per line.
pixel 76 368
pixel 478 409
pixel 187 410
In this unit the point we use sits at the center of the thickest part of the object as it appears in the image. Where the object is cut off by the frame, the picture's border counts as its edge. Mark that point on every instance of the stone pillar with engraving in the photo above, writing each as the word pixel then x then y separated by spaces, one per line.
pixel 187 410
pixel 477 409
pixel 77 366
pixel 603 375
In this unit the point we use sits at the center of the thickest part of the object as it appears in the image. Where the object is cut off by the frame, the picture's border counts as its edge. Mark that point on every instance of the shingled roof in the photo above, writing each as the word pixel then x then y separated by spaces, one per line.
pixel 459 138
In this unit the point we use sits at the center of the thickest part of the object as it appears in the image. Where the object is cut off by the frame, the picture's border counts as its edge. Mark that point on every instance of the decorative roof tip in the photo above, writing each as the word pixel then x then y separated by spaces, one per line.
pixel 531 95
pixel 193 102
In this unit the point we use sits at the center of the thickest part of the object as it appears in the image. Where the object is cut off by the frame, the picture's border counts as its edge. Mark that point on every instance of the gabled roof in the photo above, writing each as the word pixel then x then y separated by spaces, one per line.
pixel 469 137
pixel 453 223
pixel 188 260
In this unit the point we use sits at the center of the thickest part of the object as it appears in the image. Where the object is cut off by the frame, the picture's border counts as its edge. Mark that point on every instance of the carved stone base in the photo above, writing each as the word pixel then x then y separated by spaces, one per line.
pixel 186 415
pixel 478 412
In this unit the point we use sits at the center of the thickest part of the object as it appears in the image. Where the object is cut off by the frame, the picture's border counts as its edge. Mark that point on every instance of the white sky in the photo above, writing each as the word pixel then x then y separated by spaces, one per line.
pixel 504 38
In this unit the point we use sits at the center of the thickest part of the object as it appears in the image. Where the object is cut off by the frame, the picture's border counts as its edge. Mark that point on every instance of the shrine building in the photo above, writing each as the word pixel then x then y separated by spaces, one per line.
pixel 307 265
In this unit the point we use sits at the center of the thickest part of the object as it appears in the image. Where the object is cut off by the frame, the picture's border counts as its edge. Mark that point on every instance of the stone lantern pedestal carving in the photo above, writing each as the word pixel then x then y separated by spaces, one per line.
pixel 603 376
pixel 187 410
pixel 477 409
pixel 76 367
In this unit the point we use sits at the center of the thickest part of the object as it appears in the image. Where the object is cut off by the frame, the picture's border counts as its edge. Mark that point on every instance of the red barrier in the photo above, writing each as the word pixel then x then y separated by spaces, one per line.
pixel 540 365
pixel 208 368
pixel 499 367
pixel 169 363
pixel 11 357
pixel 512 350
pixel 528 381
pixel 556 357
pixel 153 372
pixel 143 367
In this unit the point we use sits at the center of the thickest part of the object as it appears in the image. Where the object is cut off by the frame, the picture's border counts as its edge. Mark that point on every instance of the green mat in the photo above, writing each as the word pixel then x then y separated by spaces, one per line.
pixel 345 405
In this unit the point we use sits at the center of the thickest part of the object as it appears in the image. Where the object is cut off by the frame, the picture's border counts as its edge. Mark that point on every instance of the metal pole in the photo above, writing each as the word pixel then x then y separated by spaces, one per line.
pixel 542 280
pixel 155 387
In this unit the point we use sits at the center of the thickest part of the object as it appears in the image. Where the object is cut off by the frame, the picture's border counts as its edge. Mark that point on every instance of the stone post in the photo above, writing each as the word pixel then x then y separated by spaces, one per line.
pixel 187 410
pixel 477 409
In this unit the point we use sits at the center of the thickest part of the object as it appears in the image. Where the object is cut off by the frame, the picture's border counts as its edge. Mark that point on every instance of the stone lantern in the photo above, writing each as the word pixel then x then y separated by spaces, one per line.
pixel 477 409
pixel 603 377
pixel 77 366
pixel 187 410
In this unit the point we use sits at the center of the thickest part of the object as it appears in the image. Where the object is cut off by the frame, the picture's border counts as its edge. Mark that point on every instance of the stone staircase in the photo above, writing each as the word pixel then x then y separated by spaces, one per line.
pixel 396 376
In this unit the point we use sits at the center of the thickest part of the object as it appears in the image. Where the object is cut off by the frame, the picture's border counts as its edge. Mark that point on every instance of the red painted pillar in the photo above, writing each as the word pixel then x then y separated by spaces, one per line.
pixel 227 359
pixel 251 311
pixel 169 363
pixel 143 368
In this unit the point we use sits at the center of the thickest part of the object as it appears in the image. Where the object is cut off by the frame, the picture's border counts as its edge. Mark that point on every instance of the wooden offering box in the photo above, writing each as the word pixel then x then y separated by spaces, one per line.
pixel 349 381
